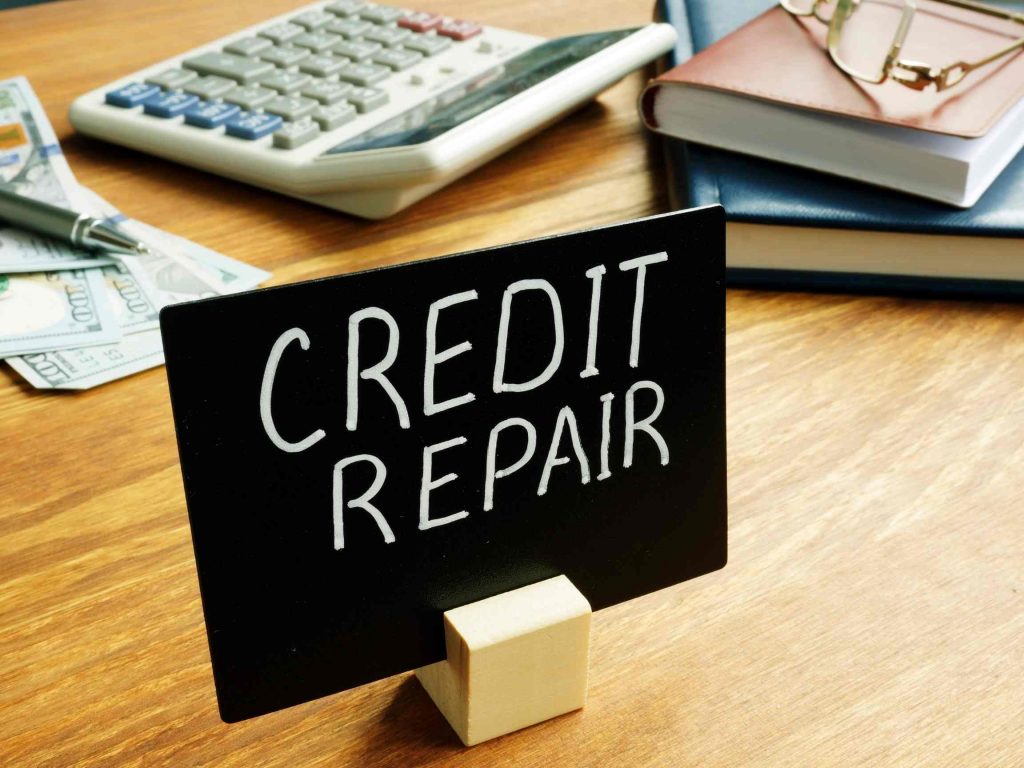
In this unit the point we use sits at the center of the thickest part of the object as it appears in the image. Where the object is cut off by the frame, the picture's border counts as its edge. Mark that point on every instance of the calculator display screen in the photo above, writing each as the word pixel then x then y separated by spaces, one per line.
pixel 450 109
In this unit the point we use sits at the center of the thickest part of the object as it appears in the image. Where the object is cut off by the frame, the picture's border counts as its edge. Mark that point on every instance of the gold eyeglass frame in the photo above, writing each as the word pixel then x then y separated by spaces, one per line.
pixel 912 74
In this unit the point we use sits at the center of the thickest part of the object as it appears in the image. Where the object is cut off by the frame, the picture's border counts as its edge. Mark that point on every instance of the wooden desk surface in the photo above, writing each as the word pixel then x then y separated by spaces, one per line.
pixel 873 609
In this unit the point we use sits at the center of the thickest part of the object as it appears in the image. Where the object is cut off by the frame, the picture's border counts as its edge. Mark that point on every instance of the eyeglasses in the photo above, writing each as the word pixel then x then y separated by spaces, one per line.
pixel 865 38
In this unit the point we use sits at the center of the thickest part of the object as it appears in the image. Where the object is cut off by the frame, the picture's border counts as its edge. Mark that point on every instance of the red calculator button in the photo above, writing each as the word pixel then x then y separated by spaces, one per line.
pixel 457 29
pixel 420 21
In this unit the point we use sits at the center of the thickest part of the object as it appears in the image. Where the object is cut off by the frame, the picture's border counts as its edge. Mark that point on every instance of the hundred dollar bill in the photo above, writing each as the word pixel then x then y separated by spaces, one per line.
pixel 32 164
pixel 55 310
pixel 180 269
pixel 135 299
pixel 227 274
pixel 91 366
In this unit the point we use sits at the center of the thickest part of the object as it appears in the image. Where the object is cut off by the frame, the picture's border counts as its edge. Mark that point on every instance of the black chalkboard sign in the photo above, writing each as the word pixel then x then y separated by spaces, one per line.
pixel 364 452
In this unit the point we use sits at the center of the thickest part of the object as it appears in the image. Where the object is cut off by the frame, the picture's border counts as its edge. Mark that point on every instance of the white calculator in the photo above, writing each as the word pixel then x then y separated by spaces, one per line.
pixel 357 106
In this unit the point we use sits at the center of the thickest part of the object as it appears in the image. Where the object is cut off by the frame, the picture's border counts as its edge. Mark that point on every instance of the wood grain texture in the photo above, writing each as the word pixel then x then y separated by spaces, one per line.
pixel 873 608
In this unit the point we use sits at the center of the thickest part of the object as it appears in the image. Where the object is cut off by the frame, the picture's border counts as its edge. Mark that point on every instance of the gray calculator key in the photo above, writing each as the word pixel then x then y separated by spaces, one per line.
pixel 322 65
pixel 334 116
pixel 428 45
pixel 248 46
pixel 364 74
pixel 296 134
pixel 172 79
pixel 239 68
pixel 281 33
pixel 209 87
pixel 388 35
pixel 284 56
pixel 327 92
pixel 357 50
pixel 249 96
pixel 286 82
pixel 291 107
pixel 348 27
pixel 346 7
pixel 381 14
pixel 315 41
pixel 367 99
pixel 312 19
pixel 397 58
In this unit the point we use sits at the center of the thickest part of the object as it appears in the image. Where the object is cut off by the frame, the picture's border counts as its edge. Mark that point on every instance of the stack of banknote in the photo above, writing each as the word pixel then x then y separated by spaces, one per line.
pixel 72 319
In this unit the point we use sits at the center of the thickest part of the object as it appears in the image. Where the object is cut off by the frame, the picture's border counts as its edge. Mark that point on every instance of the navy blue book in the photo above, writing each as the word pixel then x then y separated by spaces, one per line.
pixel 791 228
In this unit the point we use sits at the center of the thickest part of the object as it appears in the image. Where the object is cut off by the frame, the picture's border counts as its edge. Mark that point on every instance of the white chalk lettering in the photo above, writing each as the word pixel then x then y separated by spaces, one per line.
pixel 434 358
pixel 363 502
pixel 594 273
pixel 644 425
pixel 374 372
pixel 428 483
pixel 267 390
pixel 500 385
pixel 492 451
pixel 640 265
pixel 565 418
pixel 606 433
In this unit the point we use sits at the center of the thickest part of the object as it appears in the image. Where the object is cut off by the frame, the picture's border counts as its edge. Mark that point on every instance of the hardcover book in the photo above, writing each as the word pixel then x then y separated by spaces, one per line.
pixel 790 227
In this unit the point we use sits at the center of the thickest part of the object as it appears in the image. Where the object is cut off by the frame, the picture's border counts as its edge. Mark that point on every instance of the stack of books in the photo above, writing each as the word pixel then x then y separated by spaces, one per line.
pixel 832 183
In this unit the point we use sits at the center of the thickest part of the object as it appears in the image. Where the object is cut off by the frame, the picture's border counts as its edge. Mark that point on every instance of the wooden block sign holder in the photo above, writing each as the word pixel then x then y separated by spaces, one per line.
pixel 514 660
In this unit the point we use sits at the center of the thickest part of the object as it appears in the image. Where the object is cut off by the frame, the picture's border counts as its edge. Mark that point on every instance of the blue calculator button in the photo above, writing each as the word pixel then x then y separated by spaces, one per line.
pixel 209 114
pixel 253 125
pixel 132 95
pixel 168 104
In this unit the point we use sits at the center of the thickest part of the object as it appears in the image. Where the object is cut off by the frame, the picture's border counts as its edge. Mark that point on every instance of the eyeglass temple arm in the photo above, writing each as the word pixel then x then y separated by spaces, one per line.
pixel 921 75
pixel 988 10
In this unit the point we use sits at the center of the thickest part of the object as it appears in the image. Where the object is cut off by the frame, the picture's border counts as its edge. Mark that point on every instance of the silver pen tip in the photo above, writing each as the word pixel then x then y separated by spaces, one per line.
pixel 141 249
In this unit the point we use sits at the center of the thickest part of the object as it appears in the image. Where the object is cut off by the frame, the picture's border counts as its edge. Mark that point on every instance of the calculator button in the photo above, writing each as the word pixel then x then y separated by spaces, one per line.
pixel 428 45
pixel 210 87
pixel 388 35
pixel 131 95
pixel 367 99
pixel 327 92
pixel 345 7
pixel 210 114
pixel 230 65
pixel 291 107
pixel 312 19
pixel 315 41
pixel 284 56
pixel 296 134
pixel 281 33
pixel 350 28
pixel 322 65
pixel 363 73
pixel 357 50
pixel 168 104
pixel 252 126
pixel 286 82
pixel 381 14
pixel 457 29
pixel 249 96
pixel 334 116
pixel 397 58
pixel 420 21
pixel 248 46
pixel 172 79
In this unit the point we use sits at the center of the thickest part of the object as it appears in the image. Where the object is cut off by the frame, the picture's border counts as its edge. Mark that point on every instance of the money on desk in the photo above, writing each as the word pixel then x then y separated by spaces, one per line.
pixel 70 319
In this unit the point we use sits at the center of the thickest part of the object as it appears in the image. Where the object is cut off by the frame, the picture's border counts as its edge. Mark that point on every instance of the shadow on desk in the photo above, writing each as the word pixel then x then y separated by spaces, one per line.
pixel 411 730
